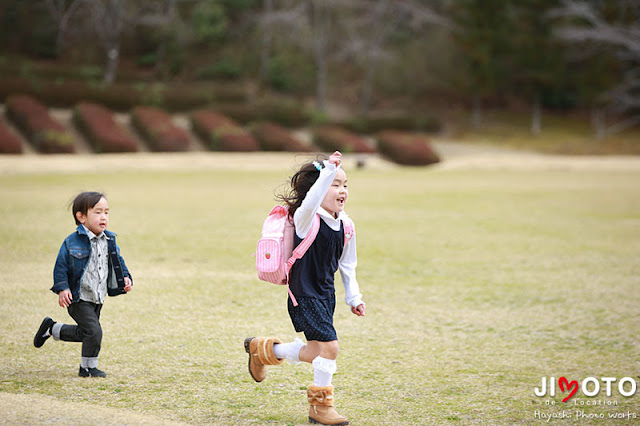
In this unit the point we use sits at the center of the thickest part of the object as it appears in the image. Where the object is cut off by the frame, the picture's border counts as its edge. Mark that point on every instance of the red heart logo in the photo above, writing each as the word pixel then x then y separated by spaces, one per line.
pixel 562 381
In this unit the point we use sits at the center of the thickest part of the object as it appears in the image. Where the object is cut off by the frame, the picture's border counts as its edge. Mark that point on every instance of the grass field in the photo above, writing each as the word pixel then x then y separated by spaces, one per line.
pixel 479 282
pixel 560 133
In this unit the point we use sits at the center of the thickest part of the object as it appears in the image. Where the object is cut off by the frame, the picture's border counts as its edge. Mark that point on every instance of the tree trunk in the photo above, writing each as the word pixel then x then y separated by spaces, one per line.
pixel 367 88
pixel 113 59
pixel 320 24
pixel 382 24
pixel 536 117
pixel 598 123
pixel 61 38
pixel 321 89
pixel 476 112
pixel 62 17
pixel 265 51
pixel 160 68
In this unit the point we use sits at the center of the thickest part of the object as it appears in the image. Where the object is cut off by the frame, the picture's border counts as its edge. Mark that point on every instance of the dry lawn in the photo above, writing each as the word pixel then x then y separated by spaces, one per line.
pixel 481 276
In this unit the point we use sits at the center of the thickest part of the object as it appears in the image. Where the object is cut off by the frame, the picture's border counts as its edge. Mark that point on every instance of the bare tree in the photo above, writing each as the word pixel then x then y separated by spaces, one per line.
pixel 61 11
pixel 342 30
pixel 163 16
pixel 367 31
pixel 310 24
pixel 370 28
pixel 587 23
pixel 108 19
pixel 285 20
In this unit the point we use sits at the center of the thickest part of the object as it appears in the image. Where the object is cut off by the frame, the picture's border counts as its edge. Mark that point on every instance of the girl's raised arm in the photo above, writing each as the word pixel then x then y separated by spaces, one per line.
pixel 303 217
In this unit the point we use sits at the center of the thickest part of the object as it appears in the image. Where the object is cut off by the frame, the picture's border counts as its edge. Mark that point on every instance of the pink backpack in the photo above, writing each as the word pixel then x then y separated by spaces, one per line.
pixel 275 254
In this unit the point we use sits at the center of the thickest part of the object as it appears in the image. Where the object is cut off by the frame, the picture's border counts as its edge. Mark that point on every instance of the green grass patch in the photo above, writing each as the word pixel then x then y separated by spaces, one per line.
pixel 478 284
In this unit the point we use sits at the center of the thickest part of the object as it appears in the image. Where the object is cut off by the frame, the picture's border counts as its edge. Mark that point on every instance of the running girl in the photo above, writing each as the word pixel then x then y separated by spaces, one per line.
pixel 317 188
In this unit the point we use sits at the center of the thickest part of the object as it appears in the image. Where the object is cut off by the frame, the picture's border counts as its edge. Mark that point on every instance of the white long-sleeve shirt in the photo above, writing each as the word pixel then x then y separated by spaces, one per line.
pixel 303 220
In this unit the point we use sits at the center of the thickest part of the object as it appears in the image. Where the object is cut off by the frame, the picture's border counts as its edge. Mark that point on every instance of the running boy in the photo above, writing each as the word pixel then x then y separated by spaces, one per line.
pixel 88 267
pixel 316 189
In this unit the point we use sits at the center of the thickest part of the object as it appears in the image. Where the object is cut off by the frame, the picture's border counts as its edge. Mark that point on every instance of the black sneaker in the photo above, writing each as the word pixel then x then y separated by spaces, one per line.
pixel 40 338
pixel 91 372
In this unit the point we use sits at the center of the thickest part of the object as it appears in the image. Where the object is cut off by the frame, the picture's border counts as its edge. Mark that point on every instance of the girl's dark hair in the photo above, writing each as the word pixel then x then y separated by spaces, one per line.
pixel 300 182
pixel 85 201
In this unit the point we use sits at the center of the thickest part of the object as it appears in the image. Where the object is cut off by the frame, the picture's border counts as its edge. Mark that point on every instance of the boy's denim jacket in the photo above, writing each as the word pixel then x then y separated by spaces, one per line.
pixel 73 259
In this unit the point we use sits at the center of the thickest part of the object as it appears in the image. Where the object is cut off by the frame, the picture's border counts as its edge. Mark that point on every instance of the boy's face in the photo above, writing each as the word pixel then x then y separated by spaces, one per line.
pixel 97 217
pixel 337 195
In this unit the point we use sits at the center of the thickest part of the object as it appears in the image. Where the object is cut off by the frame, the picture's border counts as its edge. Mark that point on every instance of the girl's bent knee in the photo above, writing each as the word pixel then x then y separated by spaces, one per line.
pixel 329 350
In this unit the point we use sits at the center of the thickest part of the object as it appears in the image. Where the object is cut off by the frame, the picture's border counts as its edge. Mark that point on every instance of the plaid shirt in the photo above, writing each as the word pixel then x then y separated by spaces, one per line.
pixel 93 286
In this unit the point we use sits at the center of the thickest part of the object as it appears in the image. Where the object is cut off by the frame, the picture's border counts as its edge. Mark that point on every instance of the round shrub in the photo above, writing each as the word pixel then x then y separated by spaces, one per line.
pixel 411 149
pixel 9 143
pixel 273 137
pixel 331 138
pixel 221 133
pixel 155 126
pixel 33 120
pixel 101 129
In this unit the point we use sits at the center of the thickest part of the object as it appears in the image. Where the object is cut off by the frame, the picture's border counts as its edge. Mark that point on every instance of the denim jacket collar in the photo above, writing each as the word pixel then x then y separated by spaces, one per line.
pixel 82 231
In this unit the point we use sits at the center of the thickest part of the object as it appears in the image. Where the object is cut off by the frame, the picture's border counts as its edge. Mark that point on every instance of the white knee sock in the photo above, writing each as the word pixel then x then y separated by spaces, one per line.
pixel 289 351
pixel 323 371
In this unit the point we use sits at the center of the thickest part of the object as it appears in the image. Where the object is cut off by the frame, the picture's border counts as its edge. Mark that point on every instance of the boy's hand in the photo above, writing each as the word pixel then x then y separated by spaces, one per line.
pixel 335 158
pixel 359 310
pixel 127 284
pixel 65 298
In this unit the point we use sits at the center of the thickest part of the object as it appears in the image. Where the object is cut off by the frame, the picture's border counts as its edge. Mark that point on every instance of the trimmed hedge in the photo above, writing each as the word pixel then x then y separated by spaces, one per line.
pixel 156 127
pixel 331 138
pixel 9 143
pixel 406 122
pixel 101 130
pixel 284 112
pixel 411 149
pixel 124 96
pixel 273 137
pixel 221 133
pixel 33 120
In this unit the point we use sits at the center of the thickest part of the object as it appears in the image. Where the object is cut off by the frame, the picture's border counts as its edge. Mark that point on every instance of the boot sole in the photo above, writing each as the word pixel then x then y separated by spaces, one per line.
pixel 247 343
pixel 38 340
pixel 315 422
pixel 92 376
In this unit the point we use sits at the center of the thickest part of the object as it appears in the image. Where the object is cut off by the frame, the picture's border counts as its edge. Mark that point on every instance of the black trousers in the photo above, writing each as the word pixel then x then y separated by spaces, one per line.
pixel 88 331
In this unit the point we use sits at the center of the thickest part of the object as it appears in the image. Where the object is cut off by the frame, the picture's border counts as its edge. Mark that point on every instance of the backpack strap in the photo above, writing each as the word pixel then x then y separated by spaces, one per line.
pixel 349 229
pixel 302 248
pixel 304 245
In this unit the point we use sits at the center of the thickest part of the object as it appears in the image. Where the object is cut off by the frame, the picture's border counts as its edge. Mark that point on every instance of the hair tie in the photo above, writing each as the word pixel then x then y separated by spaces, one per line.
pixel 317 165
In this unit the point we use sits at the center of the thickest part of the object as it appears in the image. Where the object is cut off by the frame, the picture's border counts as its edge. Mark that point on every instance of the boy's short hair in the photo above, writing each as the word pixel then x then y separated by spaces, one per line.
pixel 84 201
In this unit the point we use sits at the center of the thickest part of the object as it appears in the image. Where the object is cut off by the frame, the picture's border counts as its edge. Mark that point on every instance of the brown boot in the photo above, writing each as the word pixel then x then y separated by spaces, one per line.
pixel 321 406
pixel 260 350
